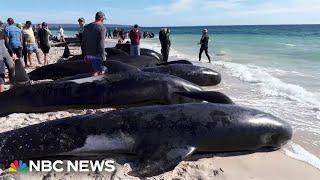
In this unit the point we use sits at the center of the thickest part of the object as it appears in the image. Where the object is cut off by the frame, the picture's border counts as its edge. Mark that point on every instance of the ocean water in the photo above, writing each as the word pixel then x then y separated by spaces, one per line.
pixel 275 69
pixel 272 68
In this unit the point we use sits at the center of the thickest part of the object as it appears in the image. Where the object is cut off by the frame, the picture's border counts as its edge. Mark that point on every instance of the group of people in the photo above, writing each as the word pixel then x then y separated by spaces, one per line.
pixel 19 43
pixel 16 43
pixel 92 38
pixel 148 35
pixel 164 37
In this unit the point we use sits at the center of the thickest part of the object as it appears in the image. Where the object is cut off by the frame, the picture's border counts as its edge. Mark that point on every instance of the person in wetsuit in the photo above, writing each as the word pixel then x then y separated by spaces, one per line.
pixel 204 42
pixel 164 36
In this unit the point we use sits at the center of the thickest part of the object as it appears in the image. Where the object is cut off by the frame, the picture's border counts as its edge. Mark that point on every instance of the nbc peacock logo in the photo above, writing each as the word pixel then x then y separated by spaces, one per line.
pixel 18 166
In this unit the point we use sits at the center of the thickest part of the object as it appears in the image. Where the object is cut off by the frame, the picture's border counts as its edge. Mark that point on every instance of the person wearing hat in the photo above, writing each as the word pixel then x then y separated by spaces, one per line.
pixel 81 22
pixel 204 42
pixel 14 39
pixel 43 36
pixel 94 36
pixel 30 43
pixel 135 37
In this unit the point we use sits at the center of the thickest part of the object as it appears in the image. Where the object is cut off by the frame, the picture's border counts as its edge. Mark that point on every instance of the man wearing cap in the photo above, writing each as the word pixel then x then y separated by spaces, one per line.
pixel 135 37
pixel 29 41
pixel 81 22
pixel 204 42
pixel 94 36
pixel 14 39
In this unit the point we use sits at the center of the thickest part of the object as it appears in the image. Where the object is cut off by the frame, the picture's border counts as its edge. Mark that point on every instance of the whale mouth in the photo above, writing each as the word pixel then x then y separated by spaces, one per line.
pixel 207 72
pixel 208 96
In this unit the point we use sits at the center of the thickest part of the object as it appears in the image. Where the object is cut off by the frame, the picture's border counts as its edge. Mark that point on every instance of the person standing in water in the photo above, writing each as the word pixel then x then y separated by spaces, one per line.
pixel 164 36
pixel 61 34
pixel 94 36
pixel 135 37
pixel 204 42
pixel 43 36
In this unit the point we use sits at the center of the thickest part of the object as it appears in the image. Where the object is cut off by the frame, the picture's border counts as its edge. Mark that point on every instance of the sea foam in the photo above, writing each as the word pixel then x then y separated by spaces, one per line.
pixel 270 85
pixel 298 152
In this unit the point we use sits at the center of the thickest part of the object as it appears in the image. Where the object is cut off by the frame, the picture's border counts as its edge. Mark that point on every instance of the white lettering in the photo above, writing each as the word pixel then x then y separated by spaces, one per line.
pixel 74 166
pixel 46 166
pixel 97 166
pixel 36 167
pixel 84 166
pixel 55 168
pixel 110 167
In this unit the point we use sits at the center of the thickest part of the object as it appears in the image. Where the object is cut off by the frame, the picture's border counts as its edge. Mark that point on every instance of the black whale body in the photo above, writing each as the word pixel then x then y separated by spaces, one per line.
pixel 118 90
pixel 198 75
pixel 159 137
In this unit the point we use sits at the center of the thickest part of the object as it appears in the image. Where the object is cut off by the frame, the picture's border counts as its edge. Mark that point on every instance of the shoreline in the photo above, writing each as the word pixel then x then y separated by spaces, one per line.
pixel 264 166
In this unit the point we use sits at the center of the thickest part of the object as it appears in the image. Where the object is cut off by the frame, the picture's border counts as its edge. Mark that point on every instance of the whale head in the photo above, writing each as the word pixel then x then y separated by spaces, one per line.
pixel 233 128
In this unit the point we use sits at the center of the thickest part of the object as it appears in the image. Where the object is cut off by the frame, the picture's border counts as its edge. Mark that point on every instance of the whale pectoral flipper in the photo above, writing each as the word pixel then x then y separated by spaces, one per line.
pixel 209 96
pixel 159 159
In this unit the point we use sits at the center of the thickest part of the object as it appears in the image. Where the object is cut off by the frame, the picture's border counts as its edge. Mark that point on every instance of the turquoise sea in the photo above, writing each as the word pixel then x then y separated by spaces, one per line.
pixel 272 68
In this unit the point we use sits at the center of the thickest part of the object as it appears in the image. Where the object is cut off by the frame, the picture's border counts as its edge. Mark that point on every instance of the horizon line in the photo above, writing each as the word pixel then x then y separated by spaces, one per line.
pixel 193 25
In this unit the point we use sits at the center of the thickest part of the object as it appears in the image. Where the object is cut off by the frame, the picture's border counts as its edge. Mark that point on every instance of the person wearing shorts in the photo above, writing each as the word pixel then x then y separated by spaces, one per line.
pixel 43 36
pixel 29 41
pixel 94 36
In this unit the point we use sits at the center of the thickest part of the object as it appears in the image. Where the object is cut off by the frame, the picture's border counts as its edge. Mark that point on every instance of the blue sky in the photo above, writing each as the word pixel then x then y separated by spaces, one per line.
pixel 166 12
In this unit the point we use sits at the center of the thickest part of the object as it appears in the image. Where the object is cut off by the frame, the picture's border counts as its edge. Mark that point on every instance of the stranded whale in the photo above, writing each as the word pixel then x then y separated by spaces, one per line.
pixel 159 137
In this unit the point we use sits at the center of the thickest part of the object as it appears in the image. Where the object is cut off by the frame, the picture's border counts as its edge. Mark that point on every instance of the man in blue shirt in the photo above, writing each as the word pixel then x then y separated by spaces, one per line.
pixel 14 39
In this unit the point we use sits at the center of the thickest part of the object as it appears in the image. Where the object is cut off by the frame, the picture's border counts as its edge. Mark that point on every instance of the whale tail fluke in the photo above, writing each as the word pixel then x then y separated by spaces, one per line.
pixel 209 96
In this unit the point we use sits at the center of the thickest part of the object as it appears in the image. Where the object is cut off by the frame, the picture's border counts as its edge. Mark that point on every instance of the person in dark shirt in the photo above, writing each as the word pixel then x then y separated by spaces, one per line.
pixel 164 36
pixel 81 22
pixel 121 35
pixel 135 37
pixel 115 33
pixel 204 42
pixel 109 34
pixel 94 36
pixel 43 36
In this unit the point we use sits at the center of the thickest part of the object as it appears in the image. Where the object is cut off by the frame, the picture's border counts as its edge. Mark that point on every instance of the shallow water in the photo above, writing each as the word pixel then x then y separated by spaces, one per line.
pixel 276 73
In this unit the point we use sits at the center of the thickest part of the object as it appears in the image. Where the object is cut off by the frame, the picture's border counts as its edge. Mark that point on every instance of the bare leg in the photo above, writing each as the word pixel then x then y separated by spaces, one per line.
pixel 29 59
pixel 45 58
pixel 38 57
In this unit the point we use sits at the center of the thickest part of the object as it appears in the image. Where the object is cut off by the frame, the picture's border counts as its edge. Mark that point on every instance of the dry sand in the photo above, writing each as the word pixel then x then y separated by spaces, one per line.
pixel 259 166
